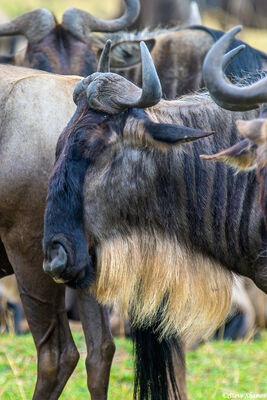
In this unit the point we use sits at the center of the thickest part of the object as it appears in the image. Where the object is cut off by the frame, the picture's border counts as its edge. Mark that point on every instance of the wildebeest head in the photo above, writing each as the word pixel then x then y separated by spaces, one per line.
pixel 110 117
pixel 251 152
pixel 65 48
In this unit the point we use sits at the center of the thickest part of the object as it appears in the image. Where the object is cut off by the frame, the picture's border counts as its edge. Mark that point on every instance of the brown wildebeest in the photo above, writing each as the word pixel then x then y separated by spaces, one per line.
pixel 29 113
pixel 166 13
pixel 32 119
pixel 163 228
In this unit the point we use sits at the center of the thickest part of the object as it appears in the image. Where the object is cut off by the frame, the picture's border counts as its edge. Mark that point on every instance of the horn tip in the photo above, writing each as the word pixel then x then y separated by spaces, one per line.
pixel 237 28
pixel 208 133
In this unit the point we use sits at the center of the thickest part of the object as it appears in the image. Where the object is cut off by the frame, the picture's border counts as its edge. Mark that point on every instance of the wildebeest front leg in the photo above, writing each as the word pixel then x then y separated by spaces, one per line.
pixel 44 305
pixel 180 372
pixel 99 342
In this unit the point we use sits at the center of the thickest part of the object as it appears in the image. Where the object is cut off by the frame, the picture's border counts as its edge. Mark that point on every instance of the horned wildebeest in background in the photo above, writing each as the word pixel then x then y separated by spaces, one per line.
pixel 164 229
pixel 165 13
pixel 10 306
pixel 252 13
pixel 66 48
pixel 178 55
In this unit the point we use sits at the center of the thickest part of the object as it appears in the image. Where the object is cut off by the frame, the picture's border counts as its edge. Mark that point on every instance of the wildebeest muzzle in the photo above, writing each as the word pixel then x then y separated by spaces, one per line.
pixel 66 264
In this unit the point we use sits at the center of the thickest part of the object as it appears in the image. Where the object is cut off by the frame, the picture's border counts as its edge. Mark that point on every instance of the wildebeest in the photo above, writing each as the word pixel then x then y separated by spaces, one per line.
pixel 67 49
pixel 63 48
pixel 248 12
pixel 164 229
pixel 166 13
pixel 10 305
pixel 35 108
pixel 251 151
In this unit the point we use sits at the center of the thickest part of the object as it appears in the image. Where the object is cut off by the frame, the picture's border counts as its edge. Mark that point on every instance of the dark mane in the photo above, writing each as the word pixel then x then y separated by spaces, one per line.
pixel 245 62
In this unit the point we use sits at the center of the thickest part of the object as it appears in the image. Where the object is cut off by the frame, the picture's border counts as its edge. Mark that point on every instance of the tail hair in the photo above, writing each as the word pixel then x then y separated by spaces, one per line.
pixel 154 365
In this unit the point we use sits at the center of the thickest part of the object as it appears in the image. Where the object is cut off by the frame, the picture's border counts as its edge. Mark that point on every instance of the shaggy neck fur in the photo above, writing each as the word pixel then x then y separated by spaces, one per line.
pixel 159 281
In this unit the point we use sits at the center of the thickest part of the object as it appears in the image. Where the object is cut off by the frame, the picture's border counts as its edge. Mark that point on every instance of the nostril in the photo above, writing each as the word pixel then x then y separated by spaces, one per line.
pixel 56 262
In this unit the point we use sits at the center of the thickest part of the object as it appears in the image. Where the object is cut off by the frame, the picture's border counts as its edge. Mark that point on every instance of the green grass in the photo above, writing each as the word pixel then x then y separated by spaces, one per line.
pixel 212 370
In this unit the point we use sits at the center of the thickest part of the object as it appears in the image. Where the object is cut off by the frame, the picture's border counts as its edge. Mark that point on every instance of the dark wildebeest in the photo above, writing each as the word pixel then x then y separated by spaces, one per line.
pixel 166 13
pixel 251 151
pixel 164 229
pixel 66 48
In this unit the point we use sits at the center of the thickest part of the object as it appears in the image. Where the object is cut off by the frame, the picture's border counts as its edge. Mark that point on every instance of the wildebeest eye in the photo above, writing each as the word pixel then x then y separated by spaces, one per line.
pixel 126 54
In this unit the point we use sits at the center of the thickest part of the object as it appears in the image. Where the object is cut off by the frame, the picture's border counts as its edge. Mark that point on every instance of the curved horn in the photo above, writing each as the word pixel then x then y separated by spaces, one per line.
pixel 34 25
pixel 151 87
pixel 81 23
pixel 225 94
pixel 103 63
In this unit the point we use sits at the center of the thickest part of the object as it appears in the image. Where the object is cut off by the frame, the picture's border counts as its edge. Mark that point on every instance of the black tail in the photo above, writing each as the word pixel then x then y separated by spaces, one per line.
pixel 154 366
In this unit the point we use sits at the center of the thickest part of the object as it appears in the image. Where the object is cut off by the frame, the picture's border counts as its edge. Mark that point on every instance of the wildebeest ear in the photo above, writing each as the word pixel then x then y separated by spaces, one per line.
pixel 173 134
pixel 241 155
pixel 127 54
